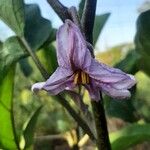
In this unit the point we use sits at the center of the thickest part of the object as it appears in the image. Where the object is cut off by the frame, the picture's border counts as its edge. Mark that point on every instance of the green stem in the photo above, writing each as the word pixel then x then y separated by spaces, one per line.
pixel 35 58
pixel 76 117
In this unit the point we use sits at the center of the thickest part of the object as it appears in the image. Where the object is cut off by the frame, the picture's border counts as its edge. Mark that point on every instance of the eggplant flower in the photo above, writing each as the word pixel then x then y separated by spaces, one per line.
pixel 77 67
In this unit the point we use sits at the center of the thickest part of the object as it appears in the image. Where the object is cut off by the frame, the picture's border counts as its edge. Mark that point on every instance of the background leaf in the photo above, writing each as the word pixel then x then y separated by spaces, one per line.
pixel 123 109
pixel 25 67
pixel 142 41
pixel 7 131
pixel 29 128
pixel 100 21
pixel 37 28
pixel 15 8
pixel 129 136
pixel 129 63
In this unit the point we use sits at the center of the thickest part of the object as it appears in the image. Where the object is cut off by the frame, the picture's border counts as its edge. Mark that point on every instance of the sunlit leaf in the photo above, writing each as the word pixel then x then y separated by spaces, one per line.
pixel 10 53
pixel 48 58
pixel 8 140
pixel 12 13
pixel 130 136
pixel 29 128
pixel 100 21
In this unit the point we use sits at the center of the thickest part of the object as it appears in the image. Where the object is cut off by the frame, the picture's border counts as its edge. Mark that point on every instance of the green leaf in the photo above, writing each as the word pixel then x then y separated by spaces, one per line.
pixel 142 41
pixel 29 128
pixel 129 63
pixel 10 53
pixel 12 13
pixel 81 7
pixel 130 136
pixel 8 140
pixel 144 65
pixel 123 109
pixel 25 67
pixel 37 28
pixel 142 38
pixel 48 58
pixel 100 21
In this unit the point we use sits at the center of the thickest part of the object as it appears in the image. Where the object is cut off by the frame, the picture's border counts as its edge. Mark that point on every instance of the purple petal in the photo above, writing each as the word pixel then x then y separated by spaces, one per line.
pixel 93 90
pixel 71 47
pixel 56 89
pixel 115 93
pixel 60 79
pixel 105 74
pixel 111 81
pixel 126 83
pixel 37 86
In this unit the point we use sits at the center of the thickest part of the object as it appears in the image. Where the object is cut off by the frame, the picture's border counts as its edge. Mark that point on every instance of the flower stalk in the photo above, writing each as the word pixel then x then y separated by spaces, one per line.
pixel 60 9
pixel 88 19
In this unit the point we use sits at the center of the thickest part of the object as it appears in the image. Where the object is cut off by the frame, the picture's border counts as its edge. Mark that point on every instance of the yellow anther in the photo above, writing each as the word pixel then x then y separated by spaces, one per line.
pixel 83 78
pixel 87 79
pixel 76 78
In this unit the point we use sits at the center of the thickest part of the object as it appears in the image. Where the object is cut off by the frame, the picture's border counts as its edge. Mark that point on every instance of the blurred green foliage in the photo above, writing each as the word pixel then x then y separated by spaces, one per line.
pixel 18 125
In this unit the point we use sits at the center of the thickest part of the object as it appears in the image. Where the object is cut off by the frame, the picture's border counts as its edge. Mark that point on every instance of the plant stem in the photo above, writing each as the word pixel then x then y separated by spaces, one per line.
pixel 76 117
pixel 35 58
pixel 88 18
pixel 74 16
pixel 60 9
pixel 97 106
pixel 101 125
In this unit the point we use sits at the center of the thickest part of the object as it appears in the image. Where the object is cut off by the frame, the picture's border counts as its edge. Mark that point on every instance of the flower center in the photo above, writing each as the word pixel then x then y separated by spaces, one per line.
pixel 81 77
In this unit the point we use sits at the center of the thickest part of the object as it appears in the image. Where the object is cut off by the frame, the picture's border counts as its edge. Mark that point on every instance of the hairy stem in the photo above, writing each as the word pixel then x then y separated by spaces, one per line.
pixel 74 16
pixel 35 58
pixel 60 9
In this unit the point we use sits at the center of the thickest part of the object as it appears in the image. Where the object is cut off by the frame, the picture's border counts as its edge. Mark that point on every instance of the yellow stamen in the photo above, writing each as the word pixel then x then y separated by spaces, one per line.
pixel 76 78
pixel 81 78
pixel 87 79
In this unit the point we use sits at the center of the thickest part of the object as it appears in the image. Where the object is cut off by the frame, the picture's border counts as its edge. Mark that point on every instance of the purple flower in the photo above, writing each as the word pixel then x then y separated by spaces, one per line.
pixel 77 67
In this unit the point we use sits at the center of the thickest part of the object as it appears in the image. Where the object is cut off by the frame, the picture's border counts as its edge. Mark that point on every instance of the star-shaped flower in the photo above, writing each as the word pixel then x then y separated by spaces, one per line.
pixel 77 67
